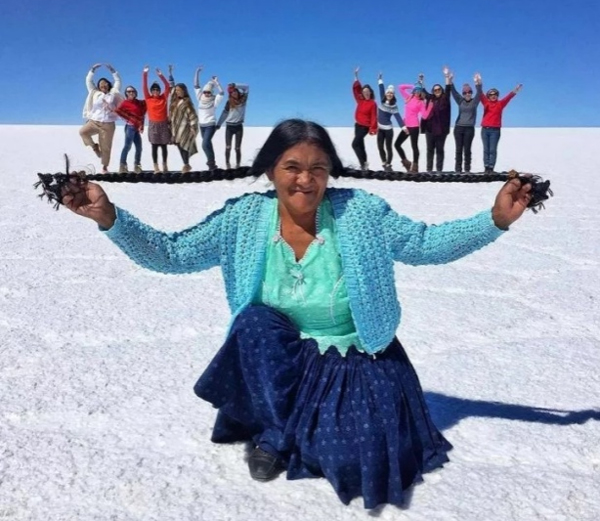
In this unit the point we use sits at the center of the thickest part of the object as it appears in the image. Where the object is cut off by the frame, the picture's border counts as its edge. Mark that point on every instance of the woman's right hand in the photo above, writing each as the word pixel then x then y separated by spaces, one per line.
pixel 89 200
pixel 146 68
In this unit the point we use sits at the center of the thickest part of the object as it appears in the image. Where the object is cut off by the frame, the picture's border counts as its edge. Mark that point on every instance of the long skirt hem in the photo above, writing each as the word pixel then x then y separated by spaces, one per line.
pixel 359 421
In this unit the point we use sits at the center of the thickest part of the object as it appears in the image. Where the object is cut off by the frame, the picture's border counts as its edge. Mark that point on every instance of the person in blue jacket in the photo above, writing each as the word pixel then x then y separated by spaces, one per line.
pixel 311 370
pixel 386 109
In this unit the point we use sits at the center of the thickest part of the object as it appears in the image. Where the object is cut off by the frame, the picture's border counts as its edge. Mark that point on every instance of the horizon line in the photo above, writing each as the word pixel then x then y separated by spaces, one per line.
pixel 2 124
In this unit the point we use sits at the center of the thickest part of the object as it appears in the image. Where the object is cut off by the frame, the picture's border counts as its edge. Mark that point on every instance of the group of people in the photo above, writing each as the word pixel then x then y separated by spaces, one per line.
pixel 428 113
pixel 172 118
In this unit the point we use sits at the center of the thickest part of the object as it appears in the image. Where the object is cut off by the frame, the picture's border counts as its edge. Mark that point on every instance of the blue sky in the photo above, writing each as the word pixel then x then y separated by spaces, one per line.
pixel 298 57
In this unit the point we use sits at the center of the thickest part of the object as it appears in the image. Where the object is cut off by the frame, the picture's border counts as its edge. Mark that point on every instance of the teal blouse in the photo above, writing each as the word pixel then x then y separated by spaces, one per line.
pixel 312 291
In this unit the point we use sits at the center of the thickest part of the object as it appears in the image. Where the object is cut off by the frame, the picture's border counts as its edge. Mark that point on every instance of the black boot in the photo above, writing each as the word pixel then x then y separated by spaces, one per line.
pixel 263 466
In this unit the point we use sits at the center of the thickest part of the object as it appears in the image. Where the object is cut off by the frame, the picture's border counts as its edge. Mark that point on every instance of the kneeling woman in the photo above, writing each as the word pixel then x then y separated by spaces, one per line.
pixel 311 370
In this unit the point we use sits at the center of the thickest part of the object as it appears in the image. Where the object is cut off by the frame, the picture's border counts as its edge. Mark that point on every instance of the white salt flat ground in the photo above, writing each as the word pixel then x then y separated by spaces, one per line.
pixel 98 357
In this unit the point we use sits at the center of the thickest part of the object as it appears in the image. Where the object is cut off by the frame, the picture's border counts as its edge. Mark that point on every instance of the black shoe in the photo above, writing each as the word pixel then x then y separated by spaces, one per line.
pixel 263 466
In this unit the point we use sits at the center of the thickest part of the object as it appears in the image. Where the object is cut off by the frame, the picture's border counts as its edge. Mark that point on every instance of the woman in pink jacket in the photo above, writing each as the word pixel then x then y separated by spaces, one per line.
pixel 414 97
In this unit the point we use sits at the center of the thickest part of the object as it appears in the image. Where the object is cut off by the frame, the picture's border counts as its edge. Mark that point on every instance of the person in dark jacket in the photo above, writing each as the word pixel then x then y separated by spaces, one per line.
pixel 437 125
pixel 387 109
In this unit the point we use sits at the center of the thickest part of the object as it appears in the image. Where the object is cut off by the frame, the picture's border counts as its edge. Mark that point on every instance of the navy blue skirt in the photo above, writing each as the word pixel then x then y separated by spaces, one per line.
pixel 359 421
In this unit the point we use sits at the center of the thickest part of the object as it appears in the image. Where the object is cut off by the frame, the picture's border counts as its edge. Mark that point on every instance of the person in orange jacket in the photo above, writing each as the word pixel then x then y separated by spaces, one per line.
pixel 157 102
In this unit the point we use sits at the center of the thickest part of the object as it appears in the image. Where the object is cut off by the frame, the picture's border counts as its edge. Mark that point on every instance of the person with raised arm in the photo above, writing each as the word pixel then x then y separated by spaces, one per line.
pixel 415 109
pixel 464 127
pixel 386 109
pixel 437 124
pixel 233 115
pixel 133 111
pixel 491 123
pixel 311 371
pixel 99 112
pixel 207 106
pixel 365 118
pixel 159 133
pixel 183 120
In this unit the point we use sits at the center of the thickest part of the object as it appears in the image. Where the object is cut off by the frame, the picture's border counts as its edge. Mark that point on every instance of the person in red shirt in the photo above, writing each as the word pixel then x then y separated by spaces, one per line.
pixel 492 122
pixel 365 118
pixel 133 111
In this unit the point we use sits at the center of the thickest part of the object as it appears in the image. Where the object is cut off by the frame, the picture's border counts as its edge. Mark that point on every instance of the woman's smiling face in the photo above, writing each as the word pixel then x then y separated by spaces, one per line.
pixel 300 177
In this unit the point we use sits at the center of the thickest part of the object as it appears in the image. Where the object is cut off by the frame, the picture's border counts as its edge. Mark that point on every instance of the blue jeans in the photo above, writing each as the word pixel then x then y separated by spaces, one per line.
pixel 132 135
pixel 207 134
pixel 490 137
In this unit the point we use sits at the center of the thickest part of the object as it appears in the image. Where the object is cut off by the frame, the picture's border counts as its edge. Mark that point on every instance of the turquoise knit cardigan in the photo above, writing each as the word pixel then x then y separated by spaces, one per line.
pixel 371 236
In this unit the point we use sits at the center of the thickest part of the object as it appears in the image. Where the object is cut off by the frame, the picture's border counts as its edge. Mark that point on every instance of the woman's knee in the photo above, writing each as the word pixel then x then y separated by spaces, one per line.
pixel 261 316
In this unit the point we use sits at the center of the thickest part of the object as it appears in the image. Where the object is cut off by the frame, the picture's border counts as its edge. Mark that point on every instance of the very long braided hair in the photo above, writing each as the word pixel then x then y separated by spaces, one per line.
pixel 289 133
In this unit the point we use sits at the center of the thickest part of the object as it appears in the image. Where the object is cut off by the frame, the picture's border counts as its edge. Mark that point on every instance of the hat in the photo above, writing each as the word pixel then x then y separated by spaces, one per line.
pixel 390 88
pixel 493 91
pixel 208 87
pixel 418 89
pixel 154 86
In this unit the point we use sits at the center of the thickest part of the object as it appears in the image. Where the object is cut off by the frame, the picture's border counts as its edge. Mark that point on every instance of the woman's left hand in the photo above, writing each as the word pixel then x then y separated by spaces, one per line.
pixel 511 202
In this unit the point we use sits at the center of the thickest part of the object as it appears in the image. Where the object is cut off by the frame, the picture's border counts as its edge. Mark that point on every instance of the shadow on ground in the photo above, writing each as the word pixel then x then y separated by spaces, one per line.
pixel 447 411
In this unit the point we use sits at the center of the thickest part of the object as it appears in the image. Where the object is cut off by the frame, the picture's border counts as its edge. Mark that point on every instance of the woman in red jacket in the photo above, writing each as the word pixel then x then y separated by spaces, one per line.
pixel 133 111
pixel 492 122
pixel 365 118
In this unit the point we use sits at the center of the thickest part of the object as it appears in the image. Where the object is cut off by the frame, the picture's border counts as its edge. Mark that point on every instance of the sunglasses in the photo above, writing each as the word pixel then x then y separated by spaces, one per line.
pixel 467 92
pixel 207 92
pixel 493 93
pixel 129 92
pixel 437 89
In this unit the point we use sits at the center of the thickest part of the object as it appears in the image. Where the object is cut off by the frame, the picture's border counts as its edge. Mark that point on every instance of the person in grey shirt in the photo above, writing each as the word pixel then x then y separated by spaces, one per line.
pixel 464 127
pixel 233 116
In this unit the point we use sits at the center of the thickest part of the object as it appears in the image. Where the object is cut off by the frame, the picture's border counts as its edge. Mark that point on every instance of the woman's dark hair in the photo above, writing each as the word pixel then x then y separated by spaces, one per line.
pixel 107 81
pixel 437 85
pixel 184 88
pixel 292 132
pixel 186 98
pixel 367 86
